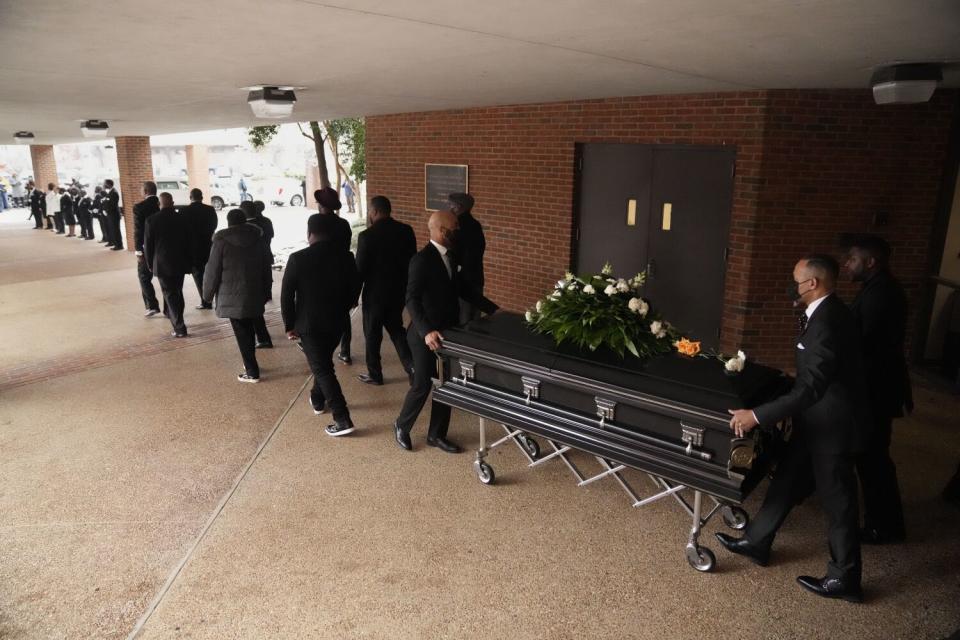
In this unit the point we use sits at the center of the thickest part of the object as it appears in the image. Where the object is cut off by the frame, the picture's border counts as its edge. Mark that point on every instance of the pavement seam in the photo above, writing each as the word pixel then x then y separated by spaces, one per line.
pixel 145 617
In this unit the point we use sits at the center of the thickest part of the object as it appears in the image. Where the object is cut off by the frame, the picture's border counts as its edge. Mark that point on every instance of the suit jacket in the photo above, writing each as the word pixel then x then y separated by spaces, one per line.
pixel 202 220
pixel 880 311
pixel 471 245
pixel 266 227
pixel 66 204
pixel 97 207
pixel 85 204
pixel 828 402
pixel 141 212
pixel 111 203
pixel 320 286
pixel 166 244
pixel 383 260
pixel 37 202
pixel 433 297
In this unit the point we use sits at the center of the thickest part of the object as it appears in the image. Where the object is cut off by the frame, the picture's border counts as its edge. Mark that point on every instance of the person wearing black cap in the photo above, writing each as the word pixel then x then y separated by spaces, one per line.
pixel 237 274
pixel 880 311
pixel 254 213
pixel 320 285
pixel 328 203
pixel 471 245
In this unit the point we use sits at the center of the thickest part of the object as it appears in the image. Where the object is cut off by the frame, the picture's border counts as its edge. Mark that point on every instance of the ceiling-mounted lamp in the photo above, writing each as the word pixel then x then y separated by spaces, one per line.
pixel 905 83
pixel 271 102
pixel 94 128
pixel 23 137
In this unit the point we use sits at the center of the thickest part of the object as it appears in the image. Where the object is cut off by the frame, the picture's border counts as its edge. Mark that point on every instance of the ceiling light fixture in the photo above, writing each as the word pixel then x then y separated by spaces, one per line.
pixel 94 128
pixel 271 102
pixel 905 83
pixel 23 137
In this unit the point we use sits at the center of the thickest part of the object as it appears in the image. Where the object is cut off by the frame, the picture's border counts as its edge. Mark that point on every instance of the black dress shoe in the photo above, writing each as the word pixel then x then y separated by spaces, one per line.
pixel 403 438
pixel 742 547
pixel 444 445
pixel 366 378
pixel 831 588
pixel 871 535
pixel 344 358
pixel 203 305
pixel 264 345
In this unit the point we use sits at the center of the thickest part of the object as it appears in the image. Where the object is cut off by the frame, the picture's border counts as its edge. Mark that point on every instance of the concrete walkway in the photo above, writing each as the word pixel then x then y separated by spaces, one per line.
pixel 143 490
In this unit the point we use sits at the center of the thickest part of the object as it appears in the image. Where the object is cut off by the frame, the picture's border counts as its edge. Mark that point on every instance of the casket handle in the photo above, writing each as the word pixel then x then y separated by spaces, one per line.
pixel 467 369
pixel 606 409
pixel 531 388
pixel 693 436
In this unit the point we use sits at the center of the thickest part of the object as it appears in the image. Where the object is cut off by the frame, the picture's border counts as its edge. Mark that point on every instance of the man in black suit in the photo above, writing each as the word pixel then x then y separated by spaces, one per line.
pixel 36 206
pixel 111 209
pixel 202 220
pixel 384 251
pixel 143 211
pixel 99 214
pixel 880 311
pixel 434 289
pixel 64 215
pixel 328 203
pixel 85 215
pixel 166 252
pixel 320 284
pixel 471 245
pixel 828 407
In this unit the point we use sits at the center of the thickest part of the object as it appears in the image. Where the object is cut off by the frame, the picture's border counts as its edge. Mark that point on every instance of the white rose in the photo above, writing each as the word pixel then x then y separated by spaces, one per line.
pixel 741 356
pixel 589 289
pixel 734 364
pixel 656 328
pixel 539 306
pixel 610 290
pixel 638 306
pixel 622 286
pixel 528 316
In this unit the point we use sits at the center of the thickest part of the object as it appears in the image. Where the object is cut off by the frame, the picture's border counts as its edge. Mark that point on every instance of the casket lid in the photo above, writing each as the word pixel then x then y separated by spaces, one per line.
pixel 700 382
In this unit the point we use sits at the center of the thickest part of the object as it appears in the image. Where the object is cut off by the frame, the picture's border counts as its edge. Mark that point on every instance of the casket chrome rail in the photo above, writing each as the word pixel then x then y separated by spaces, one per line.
pixel 614 447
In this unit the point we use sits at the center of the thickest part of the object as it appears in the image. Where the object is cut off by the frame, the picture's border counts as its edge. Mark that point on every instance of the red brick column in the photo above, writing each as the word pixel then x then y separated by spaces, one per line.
pixel 44 165
pixel 136 167
pixel 198 169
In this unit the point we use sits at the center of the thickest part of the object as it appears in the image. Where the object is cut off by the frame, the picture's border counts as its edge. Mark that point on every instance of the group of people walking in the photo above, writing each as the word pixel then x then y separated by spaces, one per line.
pixel 63 209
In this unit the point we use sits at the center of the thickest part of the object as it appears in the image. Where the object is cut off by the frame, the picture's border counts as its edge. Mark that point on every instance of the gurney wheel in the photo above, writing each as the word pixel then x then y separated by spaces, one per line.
pixel 734 517
pixel 701 558
pixel 531 447
pixel 485 473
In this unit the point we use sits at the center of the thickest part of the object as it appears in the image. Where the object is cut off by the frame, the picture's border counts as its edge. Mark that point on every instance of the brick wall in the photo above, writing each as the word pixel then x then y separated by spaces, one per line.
pixel 135 164
pixel 44 165
pixel 809 164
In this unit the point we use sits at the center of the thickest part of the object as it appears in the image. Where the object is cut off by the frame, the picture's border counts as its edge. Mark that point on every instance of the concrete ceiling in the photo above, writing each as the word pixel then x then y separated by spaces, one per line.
pixel 151 67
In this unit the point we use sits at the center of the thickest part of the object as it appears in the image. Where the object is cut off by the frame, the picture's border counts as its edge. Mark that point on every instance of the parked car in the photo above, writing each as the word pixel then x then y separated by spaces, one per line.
pixel 277 191
pixel 180 190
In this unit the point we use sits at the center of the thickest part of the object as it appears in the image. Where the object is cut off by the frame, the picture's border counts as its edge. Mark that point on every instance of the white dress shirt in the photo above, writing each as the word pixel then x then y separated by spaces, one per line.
pixel 443 254
pixel 813 306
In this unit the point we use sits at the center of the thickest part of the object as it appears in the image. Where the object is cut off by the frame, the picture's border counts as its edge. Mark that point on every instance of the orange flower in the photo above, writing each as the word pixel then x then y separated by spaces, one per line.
pixel 687 347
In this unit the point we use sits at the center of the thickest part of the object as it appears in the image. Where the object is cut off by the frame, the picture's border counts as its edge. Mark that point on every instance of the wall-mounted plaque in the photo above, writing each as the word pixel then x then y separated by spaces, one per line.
pixel 440 180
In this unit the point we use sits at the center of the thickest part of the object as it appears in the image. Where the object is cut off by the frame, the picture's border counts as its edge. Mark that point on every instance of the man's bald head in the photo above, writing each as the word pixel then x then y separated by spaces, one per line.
pixel 815 276
pixel 443 227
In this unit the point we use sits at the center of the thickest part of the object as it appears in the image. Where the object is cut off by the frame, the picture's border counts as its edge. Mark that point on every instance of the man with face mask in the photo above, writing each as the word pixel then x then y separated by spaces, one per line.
pixel 434 290
pixel 880 311
pixel 828 407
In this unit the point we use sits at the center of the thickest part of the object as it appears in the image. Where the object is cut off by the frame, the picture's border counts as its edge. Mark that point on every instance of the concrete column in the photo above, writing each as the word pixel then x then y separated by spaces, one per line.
pixel 198 169
pixel 44 165
pixel 136 167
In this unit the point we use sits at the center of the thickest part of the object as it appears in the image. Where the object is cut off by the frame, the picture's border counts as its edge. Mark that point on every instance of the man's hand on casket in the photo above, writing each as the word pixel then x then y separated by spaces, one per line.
pixel 742 421
pixel 433 340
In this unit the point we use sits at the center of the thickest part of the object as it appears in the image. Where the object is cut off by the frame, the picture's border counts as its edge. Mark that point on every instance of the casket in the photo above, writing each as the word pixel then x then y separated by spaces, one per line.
pixel 666 415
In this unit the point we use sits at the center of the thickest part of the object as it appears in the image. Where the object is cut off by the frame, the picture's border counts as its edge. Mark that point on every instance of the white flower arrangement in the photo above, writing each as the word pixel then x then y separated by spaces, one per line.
pixel 736 363
pixel 623 286
pixel 610 290
pixel 589 290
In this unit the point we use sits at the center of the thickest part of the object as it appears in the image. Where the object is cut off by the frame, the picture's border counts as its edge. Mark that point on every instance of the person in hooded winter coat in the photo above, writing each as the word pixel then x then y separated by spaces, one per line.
pixel 237 276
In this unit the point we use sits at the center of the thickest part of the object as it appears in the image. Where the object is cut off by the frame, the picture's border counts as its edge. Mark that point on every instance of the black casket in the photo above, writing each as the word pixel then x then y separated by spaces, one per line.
pixel 666 416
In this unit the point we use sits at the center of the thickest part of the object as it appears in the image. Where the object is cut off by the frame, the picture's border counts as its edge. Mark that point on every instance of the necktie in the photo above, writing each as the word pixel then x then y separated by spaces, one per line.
pixel 802 322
